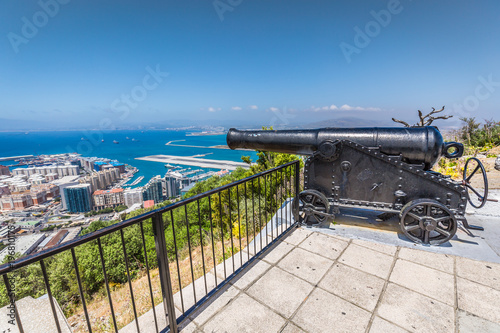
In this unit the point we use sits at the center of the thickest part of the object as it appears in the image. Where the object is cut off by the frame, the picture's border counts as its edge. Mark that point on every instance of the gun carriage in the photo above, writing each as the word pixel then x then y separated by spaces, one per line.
pixel 384 169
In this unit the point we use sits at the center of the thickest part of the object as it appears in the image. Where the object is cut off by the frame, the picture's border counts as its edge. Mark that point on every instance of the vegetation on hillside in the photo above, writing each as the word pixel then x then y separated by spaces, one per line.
pixel 234 214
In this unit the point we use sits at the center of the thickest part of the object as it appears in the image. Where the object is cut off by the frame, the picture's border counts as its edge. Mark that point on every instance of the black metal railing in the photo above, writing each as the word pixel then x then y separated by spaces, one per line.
pixel 188 251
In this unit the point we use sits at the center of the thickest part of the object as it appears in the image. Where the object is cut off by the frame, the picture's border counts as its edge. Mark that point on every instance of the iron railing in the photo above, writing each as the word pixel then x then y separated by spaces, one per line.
pixel 218 232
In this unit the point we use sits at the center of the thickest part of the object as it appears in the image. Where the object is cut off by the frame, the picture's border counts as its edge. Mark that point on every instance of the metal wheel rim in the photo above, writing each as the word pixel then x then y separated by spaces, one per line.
pixel 466 182
pixel 310 199
pixel 428 222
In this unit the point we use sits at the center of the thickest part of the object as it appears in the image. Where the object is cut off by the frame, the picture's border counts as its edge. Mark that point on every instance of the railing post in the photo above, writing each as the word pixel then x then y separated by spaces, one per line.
pixel 165 281
pixel 297 189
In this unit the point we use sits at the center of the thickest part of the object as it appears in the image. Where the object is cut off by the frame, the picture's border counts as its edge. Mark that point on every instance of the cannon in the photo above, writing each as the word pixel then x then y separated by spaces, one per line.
pixel 384 169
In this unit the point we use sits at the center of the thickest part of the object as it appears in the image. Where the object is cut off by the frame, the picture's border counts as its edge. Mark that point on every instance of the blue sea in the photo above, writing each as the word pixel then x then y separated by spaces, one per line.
pixel 147 142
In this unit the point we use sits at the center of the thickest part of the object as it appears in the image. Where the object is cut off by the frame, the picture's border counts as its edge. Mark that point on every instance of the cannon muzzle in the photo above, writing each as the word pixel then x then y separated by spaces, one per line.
pixel 416 144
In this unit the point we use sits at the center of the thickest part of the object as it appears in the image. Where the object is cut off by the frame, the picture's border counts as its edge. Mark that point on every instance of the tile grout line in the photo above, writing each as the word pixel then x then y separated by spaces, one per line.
pixel 384 288
pixel 243 291
pixel 395 283
pixel 315 286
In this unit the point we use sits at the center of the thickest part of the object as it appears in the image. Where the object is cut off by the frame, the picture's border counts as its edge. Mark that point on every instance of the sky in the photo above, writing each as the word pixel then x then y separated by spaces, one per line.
pixel 97 64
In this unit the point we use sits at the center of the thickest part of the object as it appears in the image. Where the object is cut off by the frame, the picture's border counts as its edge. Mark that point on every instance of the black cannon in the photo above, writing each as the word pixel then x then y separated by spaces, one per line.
pixel 385 169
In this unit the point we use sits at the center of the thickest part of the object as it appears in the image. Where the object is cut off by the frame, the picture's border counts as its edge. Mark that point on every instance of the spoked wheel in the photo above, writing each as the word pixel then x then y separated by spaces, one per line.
pixel 311 208
pixel 477 199
pixel 427 221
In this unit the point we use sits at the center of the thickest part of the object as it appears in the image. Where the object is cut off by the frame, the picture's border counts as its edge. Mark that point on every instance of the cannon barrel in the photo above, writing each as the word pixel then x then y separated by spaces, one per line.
pixel 416 144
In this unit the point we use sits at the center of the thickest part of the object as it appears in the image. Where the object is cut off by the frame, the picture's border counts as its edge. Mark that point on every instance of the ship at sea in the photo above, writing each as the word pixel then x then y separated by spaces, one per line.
pixel 114 141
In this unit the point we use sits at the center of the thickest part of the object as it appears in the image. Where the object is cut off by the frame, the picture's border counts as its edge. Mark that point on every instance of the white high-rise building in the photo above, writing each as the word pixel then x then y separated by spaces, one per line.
pixel 132 196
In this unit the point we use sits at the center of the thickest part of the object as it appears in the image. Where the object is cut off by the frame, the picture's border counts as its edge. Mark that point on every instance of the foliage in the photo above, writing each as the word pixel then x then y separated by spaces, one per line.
pixel 49 228
pixel 120 208
pixel 236 212
pixel 475 134
pixel 108 210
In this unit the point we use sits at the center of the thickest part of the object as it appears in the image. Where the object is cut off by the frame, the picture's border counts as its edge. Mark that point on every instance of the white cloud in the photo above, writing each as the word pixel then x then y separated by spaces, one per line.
pixel 345 107
pixel 273 109
pixel 236 108
pixel 253 107
pixel 211 109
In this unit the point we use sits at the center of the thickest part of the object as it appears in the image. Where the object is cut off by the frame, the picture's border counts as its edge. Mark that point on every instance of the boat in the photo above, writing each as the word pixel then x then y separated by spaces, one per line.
pixel 169 166
pixel 134 140
pixel 114 141
pixel 102 140
pixel 127 138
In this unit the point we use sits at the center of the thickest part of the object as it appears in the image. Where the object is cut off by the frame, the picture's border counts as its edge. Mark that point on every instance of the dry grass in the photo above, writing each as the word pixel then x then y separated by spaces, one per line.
pixel 99 309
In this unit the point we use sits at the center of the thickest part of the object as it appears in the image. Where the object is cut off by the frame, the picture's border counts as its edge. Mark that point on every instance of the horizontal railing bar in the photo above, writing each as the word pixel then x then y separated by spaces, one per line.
pixel 25 261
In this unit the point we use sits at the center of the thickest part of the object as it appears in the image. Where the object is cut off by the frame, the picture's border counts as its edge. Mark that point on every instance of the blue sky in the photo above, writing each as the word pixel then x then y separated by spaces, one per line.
pixel 88 63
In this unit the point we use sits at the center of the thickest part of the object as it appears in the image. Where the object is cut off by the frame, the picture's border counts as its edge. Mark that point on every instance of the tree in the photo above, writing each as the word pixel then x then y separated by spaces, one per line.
pixel 424 120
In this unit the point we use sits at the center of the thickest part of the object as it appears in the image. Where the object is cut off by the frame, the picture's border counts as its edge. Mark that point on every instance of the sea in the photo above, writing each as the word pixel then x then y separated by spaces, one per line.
pixel 131 144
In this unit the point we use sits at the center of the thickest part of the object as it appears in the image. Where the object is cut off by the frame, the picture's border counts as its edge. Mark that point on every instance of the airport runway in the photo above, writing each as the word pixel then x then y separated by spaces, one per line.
pixel 192 161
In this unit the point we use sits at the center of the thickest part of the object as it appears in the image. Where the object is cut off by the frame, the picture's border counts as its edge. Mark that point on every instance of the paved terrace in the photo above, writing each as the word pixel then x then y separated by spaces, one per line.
pixel 337 279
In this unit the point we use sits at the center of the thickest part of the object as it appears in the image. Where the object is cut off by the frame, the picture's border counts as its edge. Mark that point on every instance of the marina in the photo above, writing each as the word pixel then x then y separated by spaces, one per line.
pixel 137 181
pixel 192 161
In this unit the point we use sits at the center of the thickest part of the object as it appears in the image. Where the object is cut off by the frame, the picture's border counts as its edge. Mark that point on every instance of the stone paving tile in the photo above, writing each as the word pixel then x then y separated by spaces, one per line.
pixel 324 312
pixel 202 314
pixel 386 249
pixel 364 292
pixel 309 266
pixel 342 238
pixel 251 274
pixel 292 328
pixel 367 260
pixel 297 236
pixel 442 262
pixel 229 264
pixel 275 254
pixel 187 292
pixel 324 245
pixel 415 312
pixel 380 325
pixel 486 273
pixel 244 314
pixel 479 300
pixel 281 291
pixel 473 324
pixel 425 280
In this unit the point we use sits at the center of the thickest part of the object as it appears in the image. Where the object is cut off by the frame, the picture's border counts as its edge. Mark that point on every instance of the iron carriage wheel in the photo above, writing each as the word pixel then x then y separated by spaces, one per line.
pixel 427 221
pixel 466 182
pixel 311 207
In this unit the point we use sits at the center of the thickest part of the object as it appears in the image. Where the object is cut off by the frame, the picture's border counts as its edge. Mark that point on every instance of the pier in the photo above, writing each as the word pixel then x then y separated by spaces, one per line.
pixel 192 161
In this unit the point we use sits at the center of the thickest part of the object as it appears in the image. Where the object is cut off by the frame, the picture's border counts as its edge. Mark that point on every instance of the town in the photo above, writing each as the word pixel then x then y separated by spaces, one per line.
pixel 46 200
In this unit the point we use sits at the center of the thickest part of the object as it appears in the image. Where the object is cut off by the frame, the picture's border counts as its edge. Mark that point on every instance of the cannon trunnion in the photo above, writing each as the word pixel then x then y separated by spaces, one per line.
pixel 392 176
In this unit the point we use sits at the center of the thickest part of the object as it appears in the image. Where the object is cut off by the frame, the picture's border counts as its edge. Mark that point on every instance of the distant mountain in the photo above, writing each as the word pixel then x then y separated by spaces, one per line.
pixel 18 125
pixel 349 122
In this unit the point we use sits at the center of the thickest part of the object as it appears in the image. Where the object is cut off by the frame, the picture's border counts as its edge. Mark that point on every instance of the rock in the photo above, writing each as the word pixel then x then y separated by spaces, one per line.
pixel 497 163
